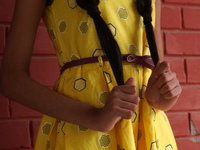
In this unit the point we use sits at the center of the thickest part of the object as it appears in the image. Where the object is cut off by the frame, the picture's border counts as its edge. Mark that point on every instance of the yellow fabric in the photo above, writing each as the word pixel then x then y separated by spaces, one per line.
pixel 74 36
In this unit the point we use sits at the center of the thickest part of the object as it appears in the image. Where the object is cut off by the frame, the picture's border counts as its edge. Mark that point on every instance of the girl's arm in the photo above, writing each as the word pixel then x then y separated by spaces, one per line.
pixel 15 81
pixel 163 87
pixel 16 84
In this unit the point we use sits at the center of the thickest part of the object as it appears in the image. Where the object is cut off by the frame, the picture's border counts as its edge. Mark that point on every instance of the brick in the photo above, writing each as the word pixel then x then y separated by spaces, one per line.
pixel 193 70
pixel 183 1
pixel 191 143
pixel 35 127
pixel 177 65
pixel 191 18
pixel 6 10
pixel 195 123
pixel 182 43
pixel 43 44
pixel 171 17
pixel 2 38
pixel 44 70
pixel 4 107
pixel 19 110
pixel 189 99
pixel 179 123
pixel 14 134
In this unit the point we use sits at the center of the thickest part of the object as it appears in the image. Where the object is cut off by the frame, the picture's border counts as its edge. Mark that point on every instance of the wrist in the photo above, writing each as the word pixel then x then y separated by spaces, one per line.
pixel 161 104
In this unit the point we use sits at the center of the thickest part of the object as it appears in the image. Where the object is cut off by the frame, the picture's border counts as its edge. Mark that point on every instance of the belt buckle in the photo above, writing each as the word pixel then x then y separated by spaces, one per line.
pixel 130 58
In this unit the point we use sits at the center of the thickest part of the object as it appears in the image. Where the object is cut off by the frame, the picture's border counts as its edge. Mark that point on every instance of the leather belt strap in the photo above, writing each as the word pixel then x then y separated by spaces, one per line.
pixel 146 61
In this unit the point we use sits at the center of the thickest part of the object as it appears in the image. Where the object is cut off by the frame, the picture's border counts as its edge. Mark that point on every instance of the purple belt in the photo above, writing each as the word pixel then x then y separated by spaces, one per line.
pixel 146 61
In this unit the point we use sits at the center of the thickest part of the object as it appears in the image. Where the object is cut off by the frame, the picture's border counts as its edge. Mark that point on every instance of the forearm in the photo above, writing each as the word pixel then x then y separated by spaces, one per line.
pixel 15 82
pixel 24 90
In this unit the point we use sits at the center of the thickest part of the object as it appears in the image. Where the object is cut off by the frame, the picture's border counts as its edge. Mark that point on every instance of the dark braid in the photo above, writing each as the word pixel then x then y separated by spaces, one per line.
pixel 144 9
pixel 108 43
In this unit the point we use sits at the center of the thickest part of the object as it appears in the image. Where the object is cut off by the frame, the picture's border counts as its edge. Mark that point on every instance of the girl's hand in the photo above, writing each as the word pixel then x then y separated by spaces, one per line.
pixel 121 104
pixel 163 88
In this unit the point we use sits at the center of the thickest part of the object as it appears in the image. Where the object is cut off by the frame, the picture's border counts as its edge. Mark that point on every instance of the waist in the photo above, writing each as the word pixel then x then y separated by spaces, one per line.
pixel 145 61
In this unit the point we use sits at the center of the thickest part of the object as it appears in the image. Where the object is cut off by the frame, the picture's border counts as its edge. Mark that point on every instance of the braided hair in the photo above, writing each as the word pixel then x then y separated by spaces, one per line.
pixel 107 41
pixel 144 9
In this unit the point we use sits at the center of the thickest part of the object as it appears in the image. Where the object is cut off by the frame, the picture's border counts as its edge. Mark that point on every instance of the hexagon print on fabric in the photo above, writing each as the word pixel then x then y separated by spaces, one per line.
pixel 119 148
pixel 104 140
pixel 112 29
pixel 52 34
pixel 48 145
pixel 134 117
pixel 62 26
pixel 98 52
pixel 58 128
pixel 107 77
pixel 122 13
pixel 103 97
pixel 153 114
pixel 135 68
pixel 154 146
pixel 63 57
pixel 74 57
pixel 142 91
pixel 146 50
pixel 72 3
pixel 80 84
pixel 63 128
pixel 46 128
pixel 133 49
pixel 169 147
pixel 83 27
pixel 82 129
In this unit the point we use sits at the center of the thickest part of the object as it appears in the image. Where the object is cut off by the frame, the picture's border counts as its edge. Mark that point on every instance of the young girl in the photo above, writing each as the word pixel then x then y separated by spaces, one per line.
pixel 99 45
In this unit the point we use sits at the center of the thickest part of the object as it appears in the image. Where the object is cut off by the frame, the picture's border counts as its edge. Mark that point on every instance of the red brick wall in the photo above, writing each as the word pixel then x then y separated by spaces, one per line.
pixel 181 35
pixel 181 31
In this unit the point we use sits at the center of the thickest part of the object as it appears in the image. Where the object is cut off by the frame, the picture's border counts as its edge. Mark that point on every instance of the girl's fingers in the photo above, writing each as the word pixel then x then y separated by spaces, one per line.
pixel 162 68
pixel 130 81
pixel 127 105
pixel 126 93
pixel 128 89
pixel 165 78
pixel 130 99
pixel 169 86
pixel 121 99
pixel 124 113
pixel 173 93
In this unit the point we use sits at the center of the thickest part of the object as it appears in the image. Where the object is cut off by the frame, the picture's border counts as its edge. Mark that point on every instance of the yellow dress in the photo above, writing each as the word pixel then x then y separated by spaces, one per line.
pixel 74 36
